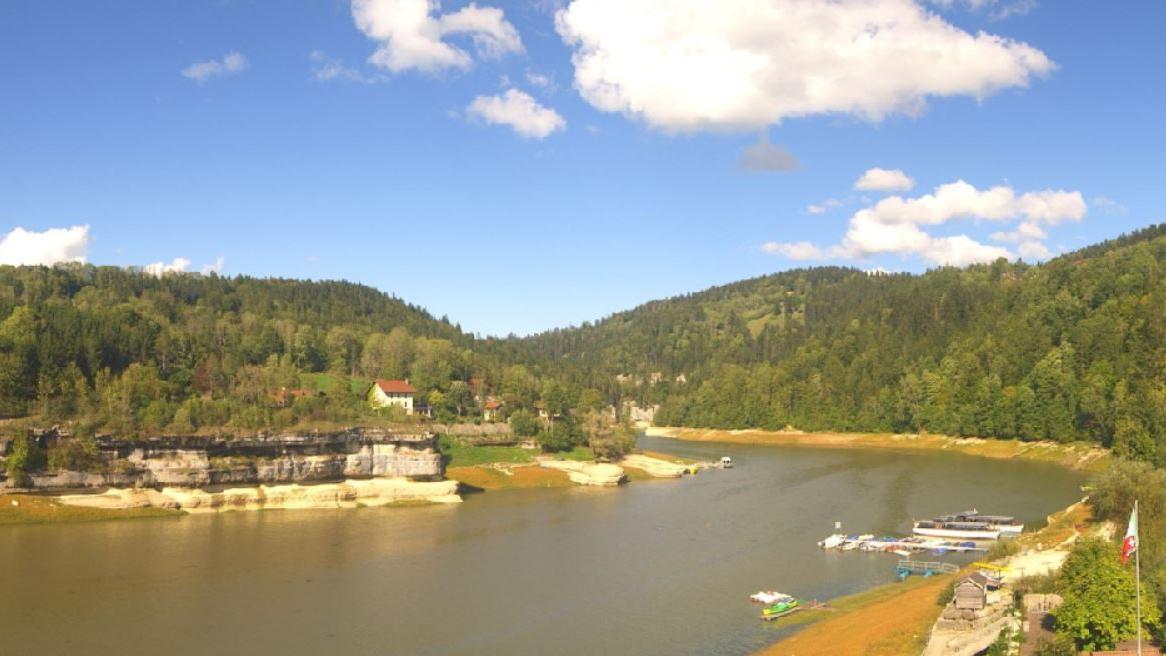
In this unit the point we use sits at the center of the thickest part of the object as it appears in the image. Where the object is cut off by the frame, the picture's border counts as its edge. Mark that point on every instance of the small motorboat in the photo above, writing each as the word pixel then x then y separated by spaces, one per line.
pixel 768 597
pixel 726 462
pixel 781 607
pixel 832 542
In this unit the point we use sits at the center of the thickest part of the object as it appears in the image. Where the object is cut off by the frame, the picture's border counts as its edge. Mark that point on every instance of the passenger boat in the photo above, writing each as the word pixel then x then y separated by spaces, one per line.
pixel 1002 523
pixel 967 530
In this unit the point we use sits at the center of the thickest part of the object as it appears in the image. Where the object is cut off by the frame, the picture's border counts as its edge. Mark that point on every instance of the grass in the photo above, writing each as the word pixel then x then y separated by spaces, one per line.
pixel 460 454
pixel 889 620
pixel 475 479
pixel 33 509
pixel 1074 455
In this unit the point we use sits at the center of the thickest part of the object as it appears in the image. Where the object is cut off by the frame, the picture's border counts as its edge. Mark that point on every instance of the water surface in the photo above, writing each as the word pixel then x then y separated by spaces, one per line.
pixel 658 567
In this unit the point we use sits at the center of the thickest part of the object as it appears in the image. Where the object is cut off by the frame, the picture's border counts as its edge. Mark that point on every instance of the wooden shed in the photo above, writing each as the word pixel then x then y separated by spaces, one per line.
pixel 971 594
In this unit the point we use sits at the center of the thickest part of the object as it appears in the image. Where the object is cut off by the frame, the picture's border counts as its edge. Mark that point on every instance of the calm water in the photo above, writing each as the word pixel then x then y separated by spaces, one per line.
pixel 660 567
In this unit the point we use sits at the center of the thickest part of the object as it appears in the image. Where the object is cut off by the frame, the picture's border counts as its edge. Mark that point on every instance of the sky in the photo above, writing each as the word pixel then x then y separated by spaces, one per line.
pixel 525 165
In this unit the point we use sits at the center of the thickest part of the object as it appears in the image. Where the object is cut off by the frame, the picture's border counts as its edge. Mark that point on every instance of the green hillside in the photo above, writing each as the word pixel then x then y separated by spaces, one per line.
pixel 1071 349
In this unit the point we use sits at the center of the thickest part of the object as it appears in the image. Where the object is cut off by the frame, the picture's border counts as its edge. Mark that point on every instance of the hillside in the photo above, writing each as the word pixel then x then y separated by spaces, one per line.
pixel 1071 349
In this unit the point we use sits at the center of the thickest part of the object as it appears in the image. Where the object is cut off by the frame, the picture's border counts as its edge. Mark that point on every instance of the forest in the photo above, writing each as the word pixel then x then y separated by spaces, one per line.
pixel 1071 349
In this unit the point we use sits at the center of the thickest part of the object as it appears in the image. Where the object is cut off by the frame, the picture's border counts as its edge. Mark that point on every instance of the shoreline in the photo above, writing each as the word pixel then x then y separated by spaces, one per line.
pixel 897 618
pixel 1074 456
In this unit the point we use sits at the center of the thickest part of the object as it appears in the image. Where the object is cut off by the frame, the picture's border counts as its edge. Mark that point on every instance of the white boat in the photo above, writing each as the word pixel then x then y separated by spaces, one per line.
pixel 769 597
pixel 964 530
pixel 832 542
pixel 726 462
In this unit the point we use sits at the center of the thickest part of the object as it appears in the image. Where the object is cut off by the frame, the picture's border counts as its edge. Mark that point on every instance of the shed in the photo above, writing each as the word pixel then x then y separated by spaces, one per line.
pixel 971 594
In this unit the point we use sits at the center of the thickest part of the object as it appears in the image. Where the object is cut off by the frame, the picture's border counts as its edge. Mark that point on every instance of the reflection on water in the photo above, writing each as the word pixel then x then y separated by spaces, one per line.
pixel 656 567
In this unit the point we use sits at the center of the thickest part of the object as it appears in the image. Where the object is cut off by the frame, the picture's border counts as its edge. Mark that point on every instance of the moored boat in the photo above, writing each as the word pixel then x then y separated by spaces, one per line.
pixel 966 530
pixel 781 607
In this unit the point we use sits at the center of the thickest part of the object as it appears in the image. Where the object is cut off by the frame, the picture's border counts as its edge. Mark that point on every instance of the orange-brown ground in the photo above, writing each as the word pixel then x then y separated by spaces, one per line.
pixel 1074 456
pixel 520 477
pixel 35 509
pixel 889 621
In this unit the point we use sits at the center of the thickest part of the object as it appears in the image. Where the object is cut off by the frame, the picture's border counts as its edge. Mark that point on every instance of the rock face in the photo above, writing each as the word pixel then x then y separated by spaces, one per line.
pixel 348 494
pixel 194 462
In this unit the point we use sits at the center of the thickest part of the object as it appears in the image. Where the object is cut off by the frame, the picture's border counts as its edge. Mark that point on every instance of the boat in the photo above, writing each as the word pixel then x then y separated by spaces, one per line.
pixel 768 597
pixel 726 462
pixel 1005 524
pixel 966 530
pixel 832 542
pixel 782 607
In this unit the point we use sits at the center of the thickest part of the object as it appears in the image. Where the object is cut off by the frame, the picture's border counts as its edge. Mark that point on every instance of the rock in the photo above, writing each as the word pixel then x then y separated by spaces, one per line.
pixel 655 466
pixel 588 473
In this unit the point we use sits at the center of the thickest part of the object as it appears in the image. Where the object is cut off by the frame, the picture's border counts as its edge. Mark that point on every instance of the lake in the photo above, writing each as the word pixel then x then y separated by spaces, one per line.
pixel 656 567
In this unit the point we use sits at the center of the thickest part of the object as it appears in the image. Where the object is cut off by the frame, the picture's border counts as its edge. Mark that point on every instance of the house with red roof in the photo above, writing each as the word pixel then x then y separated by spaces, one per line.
pixel 387 393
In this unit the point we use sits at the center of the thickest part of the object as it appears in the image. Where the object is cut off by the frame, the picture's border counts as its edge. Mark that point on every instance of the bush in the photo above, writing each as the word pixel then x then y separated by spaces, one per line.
pixel 1059 646
pixel 78 454
pixel 523 423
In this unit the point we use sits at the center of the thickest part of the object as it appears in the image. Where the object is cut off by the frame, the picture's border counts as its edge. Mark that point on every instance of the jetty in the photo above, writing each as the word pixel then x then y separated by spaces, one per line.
pixel 925 569
pixel 900 546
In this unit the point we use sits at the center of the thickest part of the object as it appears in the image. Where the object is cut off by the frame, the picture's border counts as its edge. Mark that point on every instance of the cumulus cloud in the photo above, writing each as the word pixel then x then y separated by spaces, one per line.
pixel 519 111
pixel 824 206
pixel 181 265
pixel 412 35
pixel 1108 206
pixel 744 64
pixel 25 247
pixel 540 81
pixel 895 225
pixel 877 179
pixel 230 64
pixel 764 156
pixel 798 250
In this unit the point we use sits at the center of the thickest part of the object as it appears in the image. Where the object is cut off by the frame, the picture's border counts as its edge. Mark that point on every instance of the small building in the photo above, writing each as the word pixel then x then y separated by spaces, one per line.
pixel 972 592
pixel 386 393
pixel 492 410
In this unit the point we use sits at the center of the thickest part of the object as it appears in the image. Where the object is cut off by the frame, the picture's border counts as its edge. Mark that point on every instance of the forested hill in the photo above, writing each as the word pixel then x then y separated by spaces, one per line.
pixel 1071 349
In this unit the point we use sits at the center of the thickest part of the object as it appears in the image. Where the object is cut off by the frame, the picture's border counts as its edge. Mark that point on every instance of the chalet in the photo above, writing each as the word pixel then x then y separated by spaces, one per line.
pixel 386 393
pixel 492 410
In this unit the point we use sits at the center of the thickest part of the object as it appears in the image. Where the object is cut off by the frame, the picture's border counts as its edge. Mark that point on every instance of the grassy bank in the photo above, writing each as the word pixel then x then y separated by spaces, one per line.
pixel 1078 456
pixel 34 509
pixel 459 452
pixel 896 618
pixel 479 478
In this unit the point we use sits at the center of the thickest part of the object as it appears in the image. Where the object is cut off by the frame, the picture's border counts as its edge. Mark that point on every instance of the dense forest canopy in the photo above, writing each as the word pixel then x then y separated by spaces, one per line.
pixel 1071 349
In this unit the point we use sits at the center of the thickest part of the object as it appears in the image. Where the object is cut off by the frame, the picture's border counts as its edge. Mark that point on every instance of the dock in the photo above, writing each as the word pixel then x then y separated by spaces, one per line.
pixel 908 567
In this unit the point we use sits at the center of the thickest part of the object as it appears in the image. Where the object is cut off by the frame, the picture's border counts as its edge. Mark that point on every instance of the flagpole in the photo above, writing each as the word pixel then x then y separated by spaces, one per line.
pixel 1138 579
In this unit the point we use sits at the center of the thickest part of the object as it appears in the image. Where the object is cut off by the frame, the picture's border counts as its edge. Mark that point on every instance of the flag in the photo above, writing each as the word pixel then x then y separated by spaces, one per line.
pixel 1130 544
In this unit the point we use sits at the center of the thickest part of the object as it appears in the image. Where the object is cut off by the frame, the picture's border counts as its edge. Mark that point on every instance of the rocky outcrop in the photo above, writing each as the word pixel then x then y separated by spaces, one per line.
pixel 348 494
pixel 588 473
pixel 656 467
pixel 195 462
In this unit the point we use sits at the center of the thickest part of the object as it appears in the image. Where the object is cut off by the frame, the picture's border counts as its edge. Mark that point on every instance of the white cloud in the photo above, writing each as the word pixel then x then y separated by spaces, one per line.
pixel 1108 206
pixel 181 265
pixel 159 269
pixel 895 225
pixel 519 111
pixel 877 179
pixel 413 36
pixel 539 80
pixel 25 247
pixel 745 64
pixel 799 250
pixel 326 68
pixel 230 64
pixel 824 206
pixel 764 156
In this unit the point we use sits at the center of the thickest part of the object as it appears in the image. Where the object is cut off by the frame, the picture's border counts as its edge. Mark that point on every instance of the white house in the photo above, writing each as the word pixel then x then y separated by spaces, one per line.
pixel 385 393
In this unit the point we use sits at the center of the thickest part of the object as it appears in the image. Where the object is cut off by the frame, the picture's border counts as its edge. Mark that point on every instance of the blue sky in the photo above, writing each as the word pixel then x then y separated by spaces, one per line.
pixel 388 177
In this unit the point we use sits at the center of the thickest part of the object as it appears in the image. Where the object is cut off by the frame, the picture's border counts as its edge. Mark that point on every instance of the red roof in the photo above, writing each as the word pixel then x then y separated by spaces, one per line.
pixel 396 387
pixel 493 405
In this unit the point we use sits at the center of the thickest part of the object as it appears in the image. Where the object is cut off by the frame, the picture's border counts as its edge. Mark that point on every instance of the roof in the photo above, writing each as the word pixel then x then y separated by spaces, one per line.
pixel 493 405
pixel 395 386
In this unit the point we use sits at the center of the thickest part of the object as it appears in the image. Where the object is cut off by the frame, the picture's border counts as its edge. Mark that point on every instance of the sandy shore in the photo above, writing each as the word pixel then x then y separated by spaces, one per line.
pixel 1078 456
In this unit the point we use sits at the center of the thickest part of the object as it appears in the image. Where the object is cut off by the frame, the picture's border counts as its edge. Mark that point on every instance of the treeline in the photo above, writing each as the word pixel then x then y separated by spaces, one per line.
pixel 1073 349
pixel 123 352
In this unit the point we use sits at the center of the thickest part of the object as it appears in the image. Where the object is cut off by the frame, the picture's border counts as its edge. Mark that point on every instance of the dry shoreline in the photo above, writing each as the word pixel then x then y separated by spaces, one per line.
pixel 1075 456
